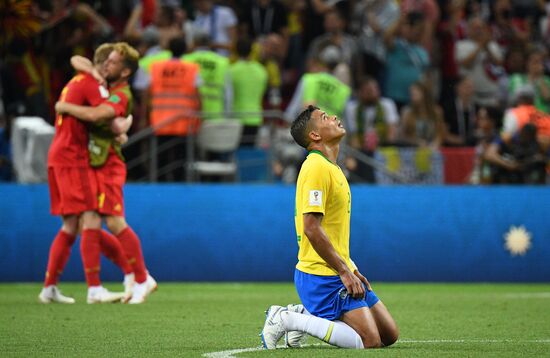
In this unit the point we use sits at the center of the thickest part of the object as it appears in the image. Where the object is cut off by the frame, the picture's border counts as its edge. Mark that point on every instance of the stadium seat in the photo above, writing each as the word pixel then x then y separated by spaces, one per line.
pixel 220 139
pixel 31 139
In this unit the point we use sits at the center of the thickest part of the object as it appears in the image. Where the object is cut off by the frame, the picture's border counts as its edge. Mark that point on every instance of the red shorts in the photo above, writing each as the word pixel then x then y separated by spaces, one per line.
pixel 110 181
pixel 73 190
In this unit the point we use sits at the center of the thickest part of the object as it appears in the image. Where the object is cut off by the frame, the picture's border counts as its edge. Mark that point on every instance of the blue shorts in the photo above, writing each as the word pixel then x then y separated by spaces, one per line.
pixel 326 296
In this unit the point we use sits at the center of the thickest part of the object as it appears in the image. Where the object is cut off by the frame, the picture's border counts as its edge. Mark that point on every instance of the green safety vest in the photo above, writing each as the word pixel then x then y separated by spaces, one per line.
pixel 327 92
pixel 146 62
pixel 213 70
pixel 100 137
pixel 249 79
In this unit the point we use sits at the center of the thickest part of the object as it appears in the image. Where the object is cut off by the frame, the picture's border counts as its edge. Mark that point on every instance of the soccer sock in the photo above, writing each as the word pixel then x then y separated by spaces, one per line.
pixel 113 250
pixel 60 250
pixel 132 247
pixel 90 250
pixel 333 332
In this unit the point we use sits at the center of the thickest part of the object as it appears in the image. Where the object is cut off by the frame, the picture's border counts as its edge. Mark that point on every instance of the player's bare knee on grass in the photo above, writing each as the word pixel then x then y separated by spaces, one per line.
pixel 389 338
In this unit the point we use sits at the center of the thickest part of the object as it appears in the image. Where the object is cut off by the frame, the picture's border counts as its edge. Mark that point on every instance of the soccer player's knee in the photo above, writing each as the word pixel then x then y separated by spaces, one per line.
pixel 115 224
pixel 391 338
pixel 371 342
pixel 70 225
pixel 91 220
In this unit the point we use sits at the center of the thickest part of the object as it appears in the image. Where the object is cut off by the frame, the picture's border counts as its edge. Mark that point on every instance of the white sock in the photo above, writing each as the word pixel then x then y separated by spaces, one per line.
pixel 333 332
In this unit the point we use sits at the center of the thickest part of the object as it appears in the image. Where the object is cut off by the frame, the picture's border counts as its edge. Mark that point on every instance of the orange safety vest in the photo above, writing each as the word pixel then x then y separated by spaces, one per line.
pixel 173 95
pixel 530 114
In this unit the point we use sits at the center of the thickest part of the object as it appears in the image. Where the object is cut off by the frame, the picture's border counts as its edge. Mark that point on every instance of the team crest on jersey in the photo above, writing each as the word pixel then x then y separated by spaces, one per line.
pixel 114 98
pixel 315 197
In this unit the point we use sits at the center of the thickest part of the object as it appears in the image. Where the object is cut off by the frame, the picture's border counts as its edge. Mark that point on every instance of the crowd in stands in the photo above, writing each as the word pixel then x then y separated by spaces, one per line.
pixel 410 73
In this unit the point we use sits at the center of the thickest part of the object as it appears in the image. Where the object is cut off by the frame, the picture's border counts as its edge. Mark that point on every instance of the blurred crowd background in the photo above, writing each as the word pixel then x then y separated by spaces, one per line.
pixel 461 85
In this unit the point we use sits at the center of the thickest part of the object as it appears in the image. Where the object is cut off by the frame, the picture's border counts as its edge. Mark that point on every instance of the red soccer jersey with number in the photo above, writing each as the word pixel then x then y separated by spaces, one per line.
pixel 70 143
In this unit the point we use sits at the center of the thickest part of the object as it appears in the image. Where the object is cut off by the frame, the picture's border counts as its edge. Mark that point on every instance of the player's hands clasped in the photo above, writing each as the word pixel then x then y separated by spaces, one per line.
pixel 353 284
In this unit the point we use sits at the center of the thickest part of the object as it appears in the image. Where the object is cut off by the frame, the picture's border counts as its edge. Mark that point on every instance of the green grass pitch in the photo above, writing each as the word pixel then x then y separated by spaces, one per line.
pixel 193 319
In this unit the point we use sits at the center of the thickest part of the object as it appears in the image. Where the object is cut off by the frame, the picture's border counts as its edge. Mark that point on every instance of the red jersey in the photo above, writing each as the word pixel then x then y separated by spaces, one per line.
pixel 70 143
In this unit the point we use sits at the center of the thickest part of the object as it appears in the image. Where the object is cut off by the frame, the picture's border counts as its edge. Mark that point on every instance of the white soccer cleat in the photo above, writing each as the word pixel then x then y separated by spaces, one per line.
pixel 295 339
pixel 52 294
pixel 273 327
pixel 139 293
pixel 152 285
pixel 128 283
pixel 99 294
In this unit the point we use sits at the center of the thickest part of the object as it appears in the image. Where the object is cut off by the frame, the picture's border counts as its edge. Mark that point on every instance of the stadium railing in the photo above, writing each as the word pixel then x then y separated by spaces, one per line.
pixel 150 157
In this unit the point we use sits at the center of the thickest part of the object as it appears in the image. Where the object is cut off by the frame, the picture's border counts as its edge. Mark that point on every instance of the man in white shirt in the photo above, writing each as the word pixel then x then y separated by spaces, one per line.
pixel 219 22
pixel 480 58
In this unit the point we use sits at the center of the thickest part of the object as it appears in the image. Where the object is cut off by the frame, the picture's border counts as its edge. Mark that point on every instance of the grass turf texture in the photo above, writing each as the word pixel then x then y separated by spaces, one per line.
pixel 188 320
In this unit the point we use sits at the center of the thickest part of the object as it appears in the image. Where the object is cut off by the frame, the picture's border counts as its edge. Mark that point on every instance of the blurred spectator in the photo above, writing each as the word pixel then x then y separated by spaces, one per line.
pixel 451 29
pixel 320 88
pixel 536 78
pixel 268 51
pixel 371 121
pixel 373 20
pixel 407 60
pixel 525 112
pixel 485 134
pixel 249 80
pixel 481 58
pixel 5 146
pixel 422 120
pixel 460 114
pixel 165 24
pixel 215 89
pixel 507 29
pixel 219 22
pixel 520 160
pixel 295 60
pixel 263 17
pixel 335 35
pixel 313 17
pixel 174 99
pixel 514 61
pixel 430 10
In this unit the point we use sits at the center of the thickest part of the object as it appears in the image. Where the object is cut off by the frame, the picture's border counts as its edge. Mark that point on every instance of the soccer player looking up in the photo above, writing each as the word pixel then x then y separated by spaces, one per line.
pixel 73 187
pixel 106 157
pixel 340 306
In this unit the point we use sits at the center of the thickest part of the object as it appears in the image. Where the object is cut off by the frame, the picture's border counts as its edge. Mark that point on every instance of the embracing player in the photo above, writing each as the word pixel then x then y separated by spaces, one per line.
pixel 108 163
pixel 73 187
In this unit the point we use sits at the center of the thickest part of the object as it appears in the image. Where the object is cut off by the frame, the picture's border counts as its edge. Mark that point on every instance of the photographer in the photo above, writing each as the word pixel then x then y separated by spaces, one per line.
pixel 521 160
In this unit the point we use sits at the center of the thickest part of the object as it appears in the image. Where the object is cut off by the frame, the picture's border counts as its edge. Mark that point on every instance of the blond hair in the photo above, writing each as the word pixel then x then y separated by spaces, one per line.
pixel 102 52
pixel 130 55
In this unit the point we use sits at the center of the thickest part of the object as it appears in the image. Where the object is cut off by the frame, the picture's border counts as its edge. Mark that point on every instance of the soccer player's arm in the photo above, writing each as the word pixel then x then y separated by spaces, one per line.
pixel 83 64
pixel 100 113
pixel 316 190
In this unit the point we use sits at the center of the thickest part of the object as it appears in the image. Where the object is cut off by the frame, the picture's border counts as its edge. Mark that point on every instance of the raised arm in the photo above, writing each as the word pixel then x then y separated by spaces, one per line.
pixel 322 245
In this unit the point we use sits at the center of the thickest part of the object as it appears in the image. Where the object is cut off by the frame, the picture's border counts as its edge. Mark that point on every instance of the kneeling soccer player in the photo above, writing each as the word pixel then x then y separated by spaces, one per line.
pixel 339 305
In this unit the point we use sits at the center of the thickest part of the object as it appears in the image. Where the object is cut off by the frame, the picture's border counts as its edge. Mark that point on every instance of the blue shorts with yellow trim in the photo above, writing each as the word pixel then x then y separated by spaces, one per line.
pixel 326 296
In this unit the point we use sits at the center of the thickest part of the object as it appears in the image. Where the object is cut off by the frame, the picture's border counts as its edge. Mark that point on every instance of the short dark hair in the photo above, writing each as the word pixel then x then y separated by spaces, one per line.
pixel 244 46
pixel 177 46
pixel 299 128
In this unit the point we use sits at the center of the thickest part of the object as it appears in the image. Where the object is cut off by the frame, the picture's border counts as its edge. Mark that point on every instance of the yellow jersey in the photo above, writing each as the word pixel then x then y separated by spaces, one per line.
pixel 322 188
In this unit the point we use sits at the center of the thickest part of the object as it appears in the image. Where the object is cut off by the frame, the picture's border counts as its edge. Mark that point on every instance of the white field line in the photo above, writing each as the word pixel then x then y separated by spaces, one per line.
pixel 527 295
pixel 233 352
